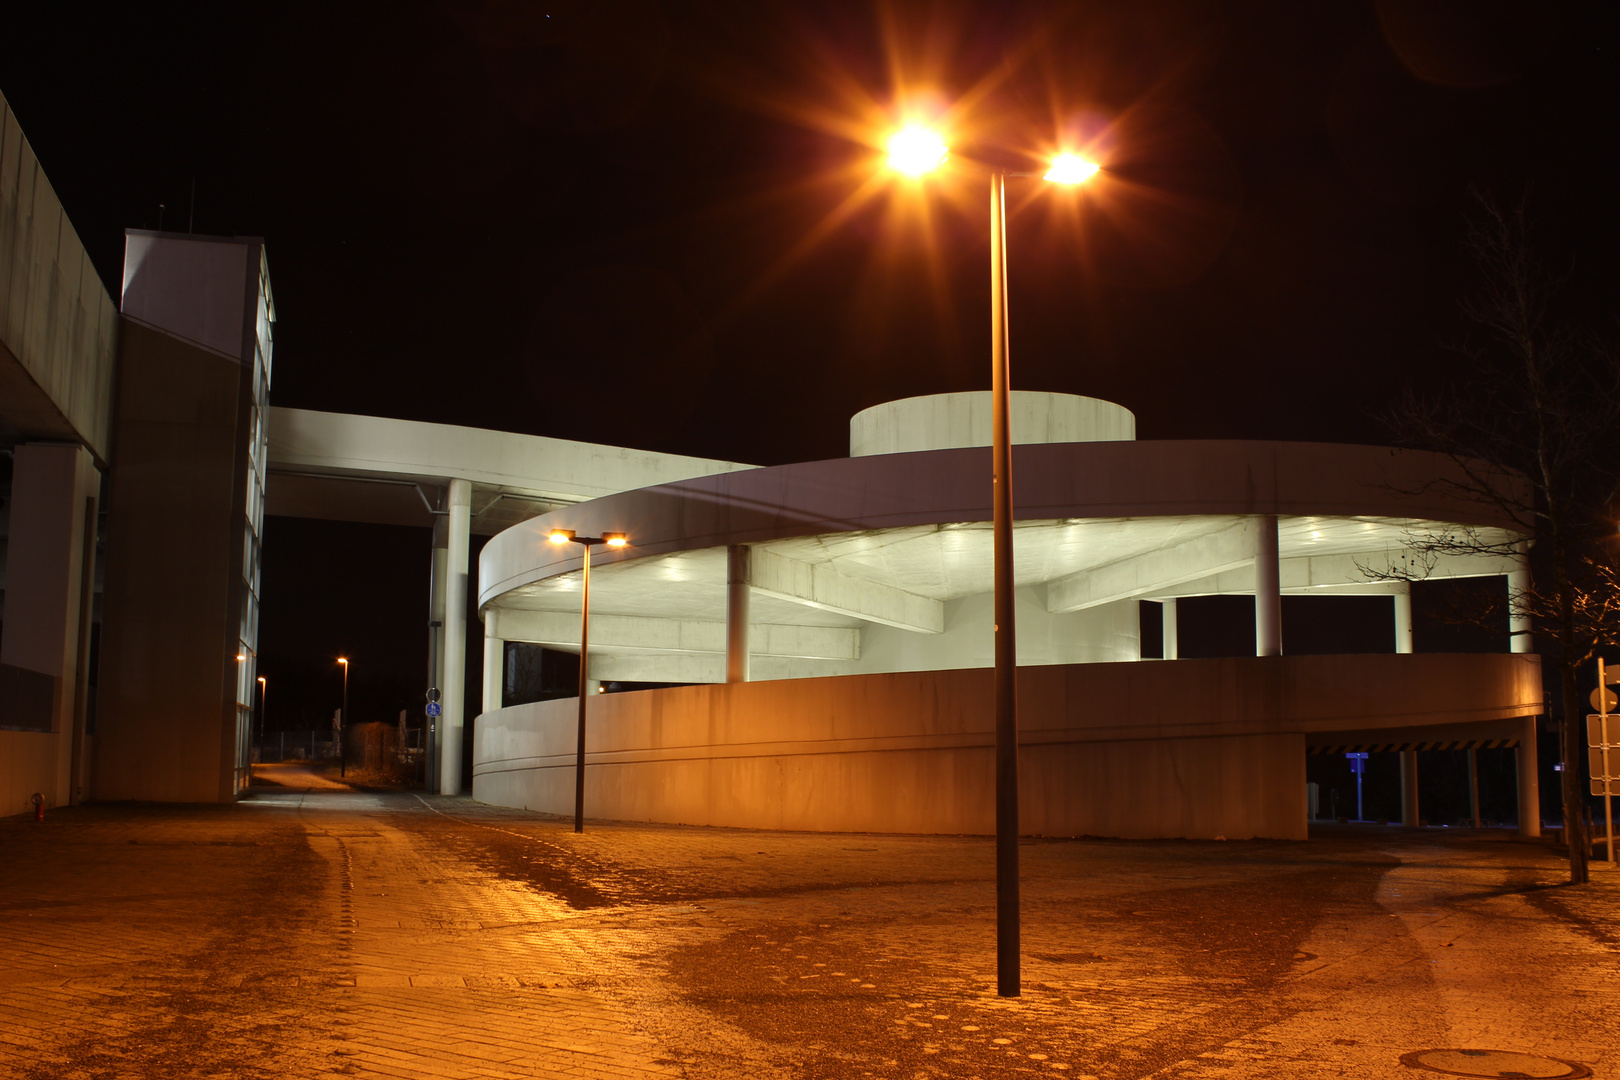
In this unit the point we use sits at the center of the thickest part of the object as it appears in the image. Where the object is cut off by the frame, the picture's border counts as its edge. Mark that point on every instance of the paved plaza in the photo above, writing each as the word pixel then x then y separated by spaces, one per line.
pixel 313 930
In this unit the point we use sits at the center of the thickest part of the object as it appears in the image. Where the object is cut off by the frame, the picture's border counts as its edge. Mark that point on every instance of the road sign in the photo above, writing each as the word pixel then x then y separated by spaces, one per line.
pixel 433 708
pixel 1603 738
pixel 433 694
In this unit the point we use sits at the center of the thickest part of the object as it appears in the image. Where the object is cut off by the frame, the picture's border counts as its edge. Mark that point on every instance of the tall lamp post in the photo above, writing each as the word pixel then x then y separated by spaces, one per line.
pixel 343 721
pixel 916 151
pixel 264 700
pixel 614 540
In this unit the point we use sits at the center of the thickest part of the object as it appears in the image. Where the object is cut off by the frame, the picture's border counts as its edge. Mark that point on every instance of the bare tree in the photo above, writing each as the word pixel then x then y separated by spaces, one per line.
pixel 1534 432
pixel 524 673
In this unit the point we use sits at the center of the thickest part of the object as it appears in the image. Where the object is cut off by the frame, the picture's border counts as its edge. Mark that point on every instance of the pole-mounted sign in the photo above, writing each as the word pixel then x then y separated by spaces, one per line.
pixel 1358 765
pixel 1603 737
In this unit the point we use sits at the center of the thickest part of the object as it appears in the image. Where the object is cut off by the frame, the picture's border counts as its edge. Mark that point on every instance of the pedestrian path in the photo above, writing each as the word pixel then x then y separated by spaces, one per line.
pixel 309 932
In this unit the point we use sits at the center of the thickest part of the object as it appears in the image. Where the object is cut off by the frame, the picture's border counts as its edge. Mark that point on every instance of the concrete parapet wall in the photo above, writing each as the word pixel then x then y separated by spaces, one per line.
pixel 1056 481
pixel 1183 748
pixel 941 421
pixel 58 326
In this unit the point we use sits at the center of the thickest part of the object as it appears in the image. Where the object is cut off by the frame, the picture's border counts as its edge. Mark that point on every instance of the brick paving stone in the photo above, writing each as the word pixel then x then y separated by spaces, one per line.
pixel 324 932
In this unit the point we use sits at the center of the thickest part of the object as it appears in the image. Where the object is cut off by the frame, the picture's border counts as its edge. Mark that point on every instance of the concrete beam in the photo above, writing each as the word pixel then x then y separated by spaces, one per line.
pixel 548 470
pixel 820 586
pixel 1338 575
pixel 677 667
pixel 561 628
pixel 1150 572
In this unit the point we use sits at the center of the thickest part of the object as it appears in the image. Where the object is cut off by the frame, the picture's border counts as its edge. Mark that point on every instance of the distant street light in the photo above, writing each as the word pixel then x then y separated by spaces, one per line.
pixel 264 698
pixel 614 540
pixel 914 151
pixel 1070 169
pixel 343 721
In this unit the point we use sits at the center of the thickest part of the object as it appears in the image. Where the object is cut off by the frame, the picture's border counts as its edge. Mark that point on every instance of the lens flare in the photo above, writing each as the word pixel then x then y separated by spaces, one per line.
pixel 1070 169
pixel 914 150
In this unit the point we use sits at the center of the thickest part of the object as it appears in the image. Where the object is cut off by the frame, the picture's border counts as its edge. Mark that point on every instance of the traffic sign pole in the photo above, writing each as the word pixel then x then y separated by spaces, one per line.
pixel 1358 765
pixel 430 738
pixel 1608 793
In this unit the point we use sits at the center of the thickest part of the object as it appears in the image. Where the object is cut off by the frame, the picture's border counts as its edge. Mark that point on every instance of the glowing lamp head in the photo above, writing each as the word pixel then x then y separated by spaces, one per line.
pixel 241 656
pixel 614 539
pixel 1070 169
pixel 561 536
pixel 344 660
pixel 914 150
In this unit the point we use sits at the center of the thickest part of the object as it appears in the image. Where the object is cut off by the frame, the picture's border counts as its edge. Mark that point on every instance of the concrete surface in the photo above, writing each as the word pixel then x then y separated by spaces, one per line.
pixel 317 932
pixel 1175 748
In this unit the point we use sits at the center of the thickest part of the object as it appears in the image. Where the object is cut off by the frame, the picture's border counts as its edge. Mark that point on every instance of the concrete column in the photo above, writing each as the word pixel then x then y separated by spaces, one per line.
pixel 1171 648
pixel 459 524
pixel 1473 788
pixel 1403 618
pixel 1526 757
pixel 494 664
pixel 738 595
pixel 1526 763
pixel 1267 589
pixel 438 562
pixel 1409 788
pixel 50 583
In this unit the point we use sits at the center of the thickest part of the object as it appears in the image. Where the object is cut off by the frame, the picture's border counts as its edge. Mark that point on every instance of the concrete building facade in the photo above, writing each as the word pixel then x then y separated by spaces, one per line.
pixel 185 518
pixel 58 339
pixel 861 573
pixel 134 441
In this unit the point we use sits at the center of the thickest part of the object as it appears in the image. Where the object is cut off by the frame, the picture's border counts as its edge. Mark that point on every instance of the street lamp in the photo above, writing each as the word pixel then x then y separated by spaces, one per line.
pixel 264 698
pixel 343 721
pixel 915 151
pixel 613 540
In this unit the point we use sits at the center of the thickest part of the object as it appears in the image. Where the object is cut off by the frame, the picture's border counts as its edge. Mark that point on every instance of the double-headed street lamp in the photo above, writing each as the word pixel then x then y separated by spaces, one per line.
pixel 914 151
pixel 343 720
pixel 613 540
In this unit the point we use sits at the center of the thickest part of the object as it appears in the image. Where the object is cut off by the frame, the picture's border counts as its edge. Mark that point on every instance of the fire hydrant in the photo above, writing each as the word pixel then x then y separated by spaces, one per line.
pixel 39 806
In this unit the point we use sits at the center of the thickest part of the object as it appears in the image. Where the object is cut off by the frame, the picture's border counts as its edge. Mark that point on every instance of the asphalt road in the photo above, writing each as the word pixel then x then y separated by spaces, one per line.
pixel 315 931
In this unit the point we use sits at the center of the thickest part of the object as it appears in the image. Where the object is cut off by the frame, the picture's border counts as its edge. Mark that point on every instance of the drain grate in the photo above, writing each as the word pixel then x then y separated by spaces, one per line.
pixel 1494 1063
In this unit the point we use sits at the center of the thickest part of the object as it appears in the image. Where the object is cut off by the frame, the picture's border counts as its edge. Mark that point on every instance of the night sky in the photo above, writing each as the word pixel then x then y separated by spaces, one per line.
pixel 655 224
